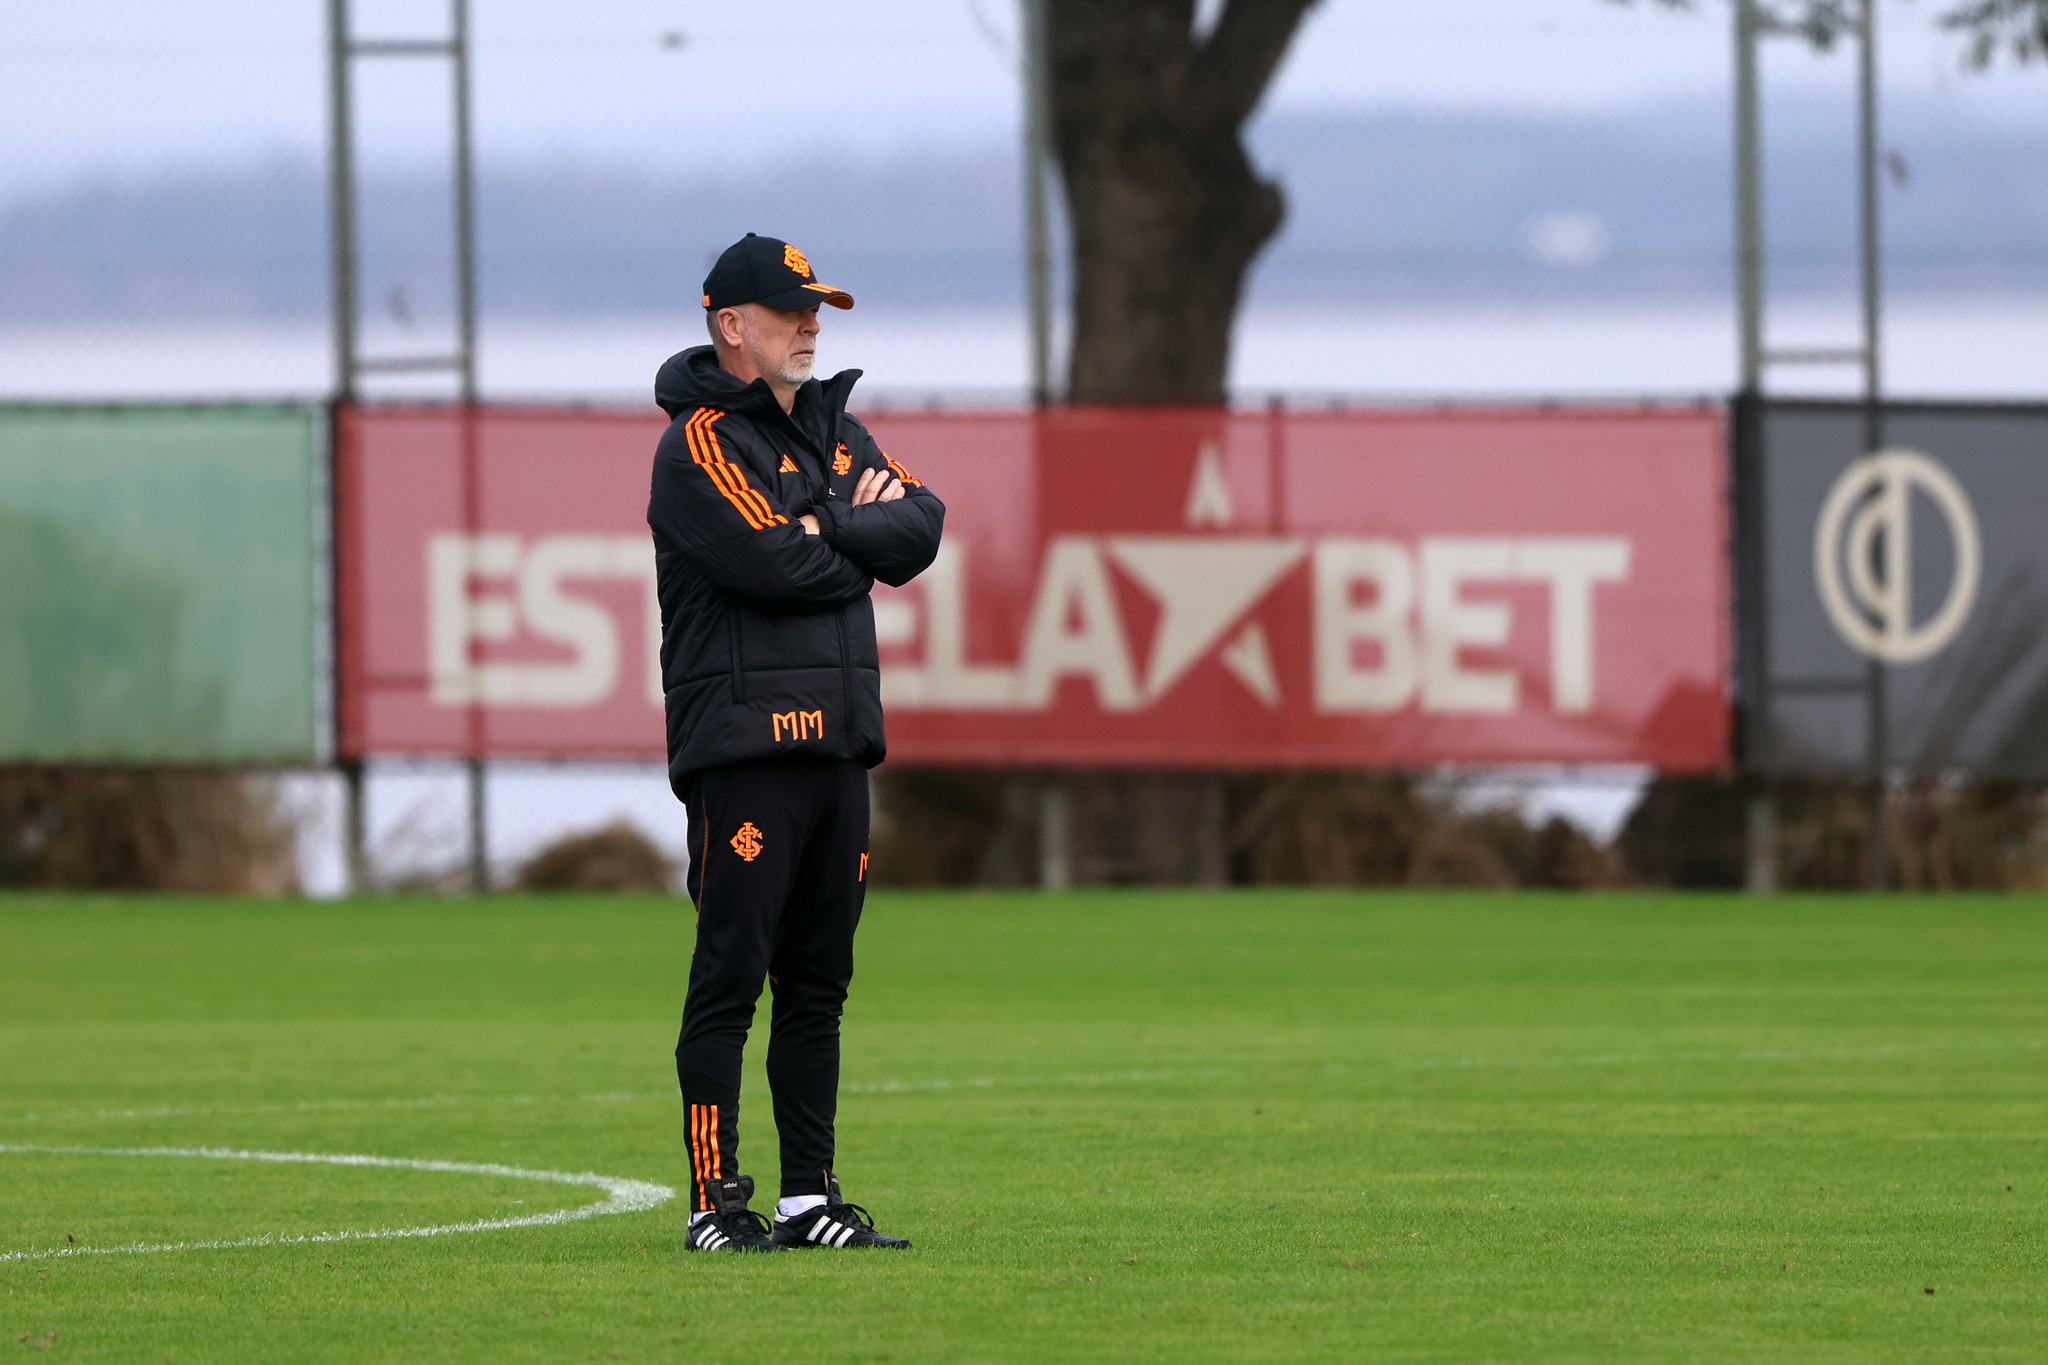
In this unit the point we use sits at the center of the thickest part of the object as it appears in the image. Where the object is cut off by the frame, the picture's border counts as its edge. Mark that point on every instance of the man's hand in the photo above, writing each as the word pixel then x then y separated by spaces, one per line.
pixel 809 523
pixel 876 485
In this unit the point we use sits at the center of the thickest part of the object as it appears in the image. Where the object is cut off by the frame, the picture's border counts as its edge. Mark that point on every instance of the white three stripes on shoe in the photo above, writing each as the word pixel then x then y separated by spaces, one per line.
pixel 825 1232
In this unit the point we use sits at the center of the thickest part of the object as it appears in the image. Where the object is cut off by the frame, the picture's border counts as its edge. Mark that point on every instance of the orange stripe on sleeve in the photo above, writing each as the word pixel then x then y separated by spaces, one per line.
pixel 902 474
pixel 724 475
pixel 704 450
pixel 694 435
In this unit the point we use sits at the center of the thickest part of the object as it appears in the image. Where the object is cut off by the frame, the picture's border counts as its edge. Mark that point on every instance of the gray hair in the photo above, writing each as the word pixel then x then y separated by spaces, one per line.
pixel 711 324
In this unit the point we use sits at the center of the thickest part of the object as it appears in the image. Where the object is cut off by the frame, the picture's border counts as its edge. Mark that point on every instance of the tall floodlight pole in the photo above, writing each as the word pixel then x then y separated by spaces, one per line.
pixel 465 201
pixel 1055 810
pixel 465 321
pixel 341 234
pixel 341 209
pixel 1762 840
pixel 1870 241
pixel 1749 207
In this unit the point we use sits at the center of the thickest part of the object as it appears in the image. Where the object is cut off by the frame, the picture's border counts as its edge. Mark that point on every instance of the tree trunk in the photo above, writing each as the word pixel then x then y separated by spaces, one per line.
pixel 1166 210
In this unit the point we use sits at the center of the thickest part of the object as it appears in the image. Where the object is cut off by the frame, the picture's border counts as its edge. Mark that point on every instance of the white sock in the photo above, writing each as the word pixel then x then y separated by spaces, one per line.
pixel 706 1213
pixel 798 1204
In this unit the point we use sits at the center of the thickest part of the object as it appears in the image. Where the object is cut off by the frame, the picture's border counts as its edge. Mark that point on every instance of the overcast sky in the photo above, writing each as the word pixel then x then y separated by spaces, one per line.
pixel 96 85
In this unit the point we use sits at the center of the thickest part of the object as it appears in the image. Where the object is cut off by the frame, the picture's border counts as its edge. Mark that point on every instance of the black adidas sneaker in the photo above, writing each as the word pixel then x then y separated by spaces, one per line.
pixel 835 1223
pixel 731 1225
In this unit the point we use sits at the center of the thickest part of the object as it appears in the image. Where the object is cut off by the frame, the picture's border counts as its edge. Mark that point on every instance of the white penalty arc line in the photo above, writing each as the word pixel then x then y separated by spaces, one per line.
pixel 621 1196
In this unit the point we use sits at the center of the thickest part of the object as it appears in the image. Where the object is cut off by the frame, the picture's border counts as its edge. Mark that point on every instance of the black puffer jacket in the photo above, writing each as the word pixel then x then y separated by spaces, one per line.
pixel 767 635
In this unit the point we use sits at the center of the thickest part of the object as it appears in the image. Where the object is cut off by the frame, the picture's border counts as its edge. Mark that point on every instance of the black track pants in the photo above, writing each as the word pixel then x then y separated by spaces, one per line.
pixel 778 873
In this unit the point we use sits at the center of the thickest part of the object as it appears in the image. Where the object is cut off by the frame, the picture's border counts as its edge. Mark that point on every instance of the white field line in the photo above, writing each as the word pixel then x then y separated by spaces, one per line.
pixel 621 1196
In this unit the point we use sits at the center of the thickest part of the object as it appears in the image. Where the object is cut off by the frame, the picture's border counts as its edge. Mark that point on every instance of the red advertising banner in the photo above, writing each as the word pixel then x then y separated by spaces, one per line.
pixel 1156 588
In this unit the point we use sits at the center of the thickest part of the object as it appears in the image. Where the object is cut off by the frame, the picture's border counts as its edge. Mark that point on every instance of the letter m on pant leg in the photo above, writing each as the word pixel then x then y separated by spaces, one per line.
pixel 813 724
pixel 785 718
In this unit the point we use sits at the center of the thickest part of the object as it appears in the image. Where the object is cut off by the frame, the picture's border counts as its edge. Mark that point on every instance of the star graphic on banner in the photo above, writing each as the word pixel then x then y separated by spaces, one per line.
pixel 1203 585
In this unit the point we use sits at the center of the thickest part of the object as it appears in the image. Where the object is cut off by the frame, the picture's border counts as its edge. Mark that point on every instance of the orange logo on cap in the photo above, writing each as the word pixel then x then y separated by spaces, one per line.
pixel 794 259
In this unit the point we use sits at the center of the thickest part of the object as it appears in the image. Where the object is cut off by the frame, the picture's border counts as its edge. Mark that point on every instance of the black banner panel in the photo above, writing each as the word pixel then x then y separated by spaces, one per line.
pixel 1893 589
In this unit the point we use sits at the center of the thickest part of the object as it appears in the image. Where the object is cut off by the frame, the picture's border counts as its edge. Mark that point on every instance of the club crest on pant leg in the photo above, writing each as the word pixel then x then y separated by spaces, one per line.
pixel 747 842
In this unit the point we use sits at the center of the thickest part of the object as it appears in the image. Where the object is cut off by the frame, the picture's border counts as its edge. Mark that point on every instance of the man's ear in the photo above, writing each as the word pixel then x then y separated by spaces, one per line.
pixel 731 328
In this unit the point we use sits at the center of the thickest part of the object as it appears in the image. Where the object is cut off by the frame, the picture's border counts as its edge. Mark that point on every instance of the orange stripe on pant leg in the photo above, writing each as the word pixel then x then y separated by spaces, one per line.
pixel 697 1162
pixel 717 1157
pixel 707 1118
pixel 703 1162
pixel 707 1121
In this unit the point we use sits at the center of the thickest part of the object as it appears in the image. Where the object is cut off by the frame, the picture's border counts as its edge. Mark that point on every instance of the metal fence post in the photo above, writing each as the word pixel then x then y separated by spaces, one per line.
pixel 1871 244
pixel 1037 209
pixel 350 366
pixel 1752 638
pixel 1752 22
pixel 1761 826
pixel 1055 836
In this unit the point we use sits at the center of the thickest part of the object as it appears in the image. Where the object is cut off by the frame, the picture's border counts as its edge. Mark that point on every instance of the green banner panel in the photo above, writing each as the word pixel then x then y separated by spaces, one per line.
pixel 161 585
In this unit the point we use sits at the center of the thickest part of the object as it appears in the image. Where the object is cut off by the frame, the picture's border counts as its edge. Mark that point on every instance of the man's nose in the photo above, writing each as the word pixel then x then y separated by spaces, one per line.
pixel 809 325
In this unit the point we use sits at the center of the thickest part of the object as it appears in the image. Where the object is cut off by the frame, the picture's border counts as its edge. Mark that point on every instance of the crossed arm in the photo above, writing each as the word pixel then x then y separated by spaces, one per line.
pixel 876 485
pixel 891 525
pixel 707 507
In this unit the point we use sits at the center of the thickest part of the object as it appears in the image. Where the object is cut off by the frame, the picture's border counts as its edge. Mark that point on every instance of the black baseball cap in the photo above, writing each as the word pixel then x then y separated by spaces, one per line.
pixel 766 271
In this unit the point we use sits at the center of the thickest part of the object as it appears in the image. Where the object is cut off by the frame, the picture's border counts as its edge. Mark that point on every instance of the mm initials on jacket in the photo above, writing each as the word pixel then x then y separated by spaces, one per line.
pixel 800 724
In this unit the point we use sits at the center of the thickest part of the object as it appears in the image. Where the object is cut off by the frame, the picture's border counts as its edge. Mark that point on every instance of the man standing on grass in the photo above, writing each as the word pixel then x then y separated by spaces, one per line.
pixel 773 513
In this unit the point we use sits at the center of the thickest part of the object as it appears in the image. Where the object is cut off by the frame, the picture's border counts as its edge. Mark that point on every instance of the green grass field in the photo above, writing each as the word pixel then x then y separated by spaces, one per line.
pixel 1119 1127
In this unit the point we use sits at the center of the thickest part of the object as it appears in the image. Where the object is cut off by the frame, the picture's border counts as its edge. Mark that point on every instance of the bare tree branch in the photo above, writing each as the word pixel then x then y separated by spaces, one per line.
pixel 2018 28
pixel 1233 68
pixel 1820 22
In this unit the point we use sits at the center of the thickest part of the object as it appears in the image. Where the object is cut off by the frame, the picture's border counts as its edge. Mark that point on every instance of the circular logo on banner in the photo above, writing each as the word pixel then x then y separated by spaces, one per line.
pixel 1863 555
